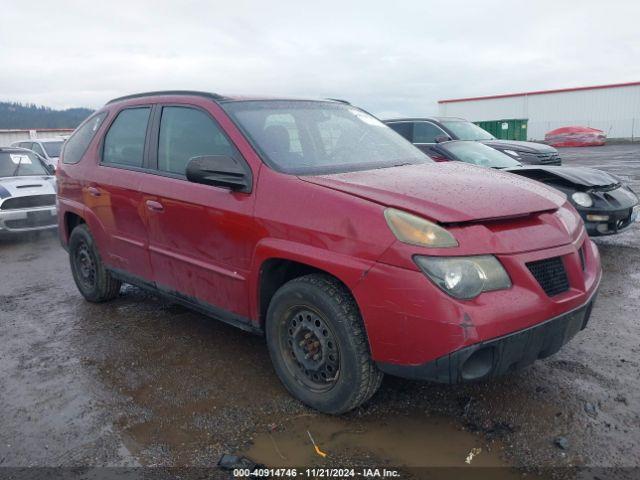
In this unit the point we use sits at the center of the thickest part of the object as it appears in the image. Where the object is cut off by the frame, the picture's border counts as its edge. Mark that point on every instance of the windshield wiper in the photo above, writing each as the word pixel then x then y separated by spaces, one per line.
pixel 17 166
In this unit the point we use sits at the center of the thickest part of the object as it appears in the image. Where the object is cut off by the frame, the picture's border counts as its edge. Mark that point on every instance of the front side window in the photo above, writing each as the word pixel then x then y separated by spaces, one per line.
pixel 426 132
pixel 79 141
pixel 124 142
pixel 20 163
pixel 320 137
pixel 186 133
pixel 464 130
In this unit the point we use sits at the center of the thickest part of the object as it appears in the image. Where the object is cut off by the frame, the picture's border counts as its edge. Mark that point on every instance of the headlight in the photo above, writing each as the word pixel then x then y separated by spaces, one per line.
pixel 414 230
pixel 583 199
pixel 512 153
pixel 465 277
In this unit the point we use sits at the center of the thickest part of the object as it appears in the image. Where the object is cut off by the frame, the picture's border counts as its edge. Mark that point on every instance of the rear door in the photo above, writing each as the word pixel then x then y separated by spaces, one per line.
pixel 201 237
pixel 113 191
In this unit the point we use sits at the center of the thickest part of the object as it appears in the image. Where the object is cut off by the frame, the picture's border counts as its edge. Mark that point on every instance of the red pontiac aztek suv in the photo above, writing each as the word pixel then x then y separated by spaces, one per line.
pixel 313 223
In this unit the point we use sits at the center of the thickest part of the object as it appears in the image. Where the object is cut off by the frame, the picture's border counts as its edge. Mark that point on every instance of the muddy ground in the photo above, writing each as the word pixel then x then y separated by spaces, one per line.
pixel 139 381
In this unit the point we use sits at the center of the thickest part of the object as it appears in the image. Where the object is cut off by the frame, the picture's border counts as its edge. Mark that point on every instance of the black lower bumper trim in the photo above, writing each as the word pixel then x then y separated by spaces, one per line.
pixel 498 356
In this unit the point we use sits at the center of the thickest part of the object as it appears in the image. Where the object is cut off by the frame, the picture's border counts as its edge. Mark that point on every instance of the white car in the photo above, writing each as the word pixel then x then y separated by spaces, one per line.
pixel 47 148
pixel 27 192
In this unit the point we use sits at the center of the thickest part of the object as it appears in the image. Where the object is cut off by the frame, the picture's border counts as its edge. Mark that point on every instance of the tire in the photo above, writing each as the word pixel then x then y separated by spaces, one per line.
pixel 318 344
pixel 92 279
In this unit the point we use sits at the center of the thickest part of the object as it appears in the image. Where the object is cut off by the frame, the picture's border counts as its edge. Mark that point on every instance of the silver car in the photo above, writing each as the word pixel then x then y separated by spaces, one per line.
pixel 47 148
pixel 27 192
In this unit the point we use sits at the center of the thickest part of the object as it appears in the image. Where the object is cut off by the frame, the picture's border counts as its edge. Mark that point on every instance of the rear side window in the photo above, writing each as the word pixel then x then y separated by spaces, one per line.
pixel 78 143
pixel 124 142
pixel 404 128
pixel 186 133
pixel 425 132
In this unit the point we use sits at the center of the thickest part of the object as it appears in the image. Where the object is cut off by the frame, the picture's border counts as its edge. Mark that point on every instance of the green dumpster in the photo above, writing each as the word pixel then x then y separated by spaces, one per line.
pixel 507 129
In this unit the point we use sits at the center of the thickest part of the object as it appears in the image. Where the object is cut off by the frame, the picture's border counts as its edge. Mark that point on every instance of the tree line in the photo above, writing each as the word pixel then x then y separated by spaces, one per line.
pixel 30 116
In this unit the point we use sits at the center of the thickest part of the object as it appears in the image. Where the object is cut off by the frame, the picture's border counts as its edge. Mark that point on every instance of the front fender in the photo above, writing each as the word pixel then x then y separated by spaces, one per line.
pixel 348 269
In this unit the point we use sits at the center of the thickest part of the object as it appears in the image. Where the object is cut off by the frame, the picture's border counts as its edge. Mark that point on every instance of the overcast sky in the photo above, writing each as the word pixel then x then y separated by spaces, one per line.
pixel 392 58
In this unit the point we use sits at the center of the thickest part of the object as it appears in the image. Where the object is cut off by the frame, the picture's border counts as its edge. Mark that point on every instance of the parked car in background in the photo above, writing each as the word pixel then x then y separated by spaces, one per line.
pixel 27 192
pixel 423 132
pixel 47 148
pixel 604 203
pixel 315 224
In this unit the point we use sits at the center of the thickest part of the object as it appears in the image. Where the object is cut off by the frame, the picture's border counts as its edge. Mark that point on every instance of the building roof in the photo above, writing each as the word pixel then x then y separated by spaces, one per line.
pixel 541 92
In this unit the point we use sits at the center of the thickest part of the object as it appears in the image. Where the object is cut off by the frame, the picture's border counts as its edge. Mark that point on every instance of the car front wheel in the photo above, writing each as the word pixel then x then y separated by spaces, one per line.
pixel 318 344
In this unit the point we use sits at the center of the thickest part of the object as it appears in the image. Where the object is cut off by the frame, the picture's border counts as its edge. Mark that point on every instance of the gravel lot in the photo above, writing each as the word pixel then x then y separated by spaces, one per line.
pixel 142 382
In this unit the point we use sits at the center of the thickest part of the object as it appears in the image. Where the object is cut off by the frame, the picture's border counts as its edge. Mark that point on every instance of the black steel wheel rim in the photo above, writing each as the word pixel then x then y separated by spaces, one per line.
pixel 85 265
pixel 310 349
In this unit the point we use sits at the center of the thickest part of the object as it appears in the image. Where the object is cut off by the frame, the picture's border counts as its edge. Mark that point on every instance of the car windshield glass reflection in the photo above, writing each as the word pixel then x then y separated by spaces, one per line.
pixel 479 154
pixel 302 137
pixel 20 163
pixel 464 130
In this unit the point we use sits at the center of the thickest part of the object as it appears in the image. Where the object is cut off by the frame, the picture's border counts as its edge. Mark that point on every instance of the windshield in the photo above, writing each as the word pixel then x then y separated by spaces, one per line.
pixel 53 148
pixel 464 130
pixel 479 154
pixel 20 163
pixel 306 137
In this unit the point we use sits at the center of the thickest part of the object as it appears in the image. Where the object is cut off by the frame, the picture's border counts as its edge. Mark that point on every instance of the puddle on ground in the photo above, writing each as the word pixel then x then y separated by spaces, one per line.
pixel 406 442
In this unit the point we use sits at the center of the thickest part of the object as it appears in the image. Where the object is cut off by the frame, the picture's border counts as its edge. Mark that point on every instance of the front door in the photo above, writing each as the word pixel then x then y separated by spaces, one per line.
pixel 201 237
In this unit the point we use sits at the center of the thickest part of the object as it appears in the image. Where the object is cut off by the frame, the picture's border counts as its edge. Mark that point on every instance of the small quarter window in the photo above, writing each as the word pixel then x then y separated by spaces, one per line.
pixel 79 141
pixel 124 142
pixel 186 133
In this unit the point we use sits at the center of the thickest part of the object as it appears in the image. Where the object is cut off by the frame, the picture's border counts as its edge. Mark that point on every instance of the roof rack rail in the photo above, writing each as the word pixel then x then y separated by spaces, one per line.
pixel 213 96
pixel 339 100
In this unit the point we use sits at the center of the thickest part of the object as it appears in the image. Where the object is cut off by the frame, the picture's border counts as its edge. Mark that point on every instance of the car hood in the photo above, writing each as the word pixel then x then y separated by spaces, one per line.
pixel 518 146
pixel 449 192
pixel 581 177
pixel 26 185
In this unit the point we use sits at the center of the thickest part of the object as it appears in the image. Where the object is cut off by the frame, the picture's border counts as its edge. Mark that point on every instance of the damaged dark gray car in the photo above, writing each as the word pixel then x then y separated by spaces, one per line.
pixel 604 203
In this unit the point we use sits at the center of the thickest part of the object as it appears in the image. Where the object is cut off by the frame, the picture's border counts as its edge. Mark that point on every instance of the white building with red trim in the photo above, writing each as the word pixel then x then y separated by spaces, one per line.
pixel 614 109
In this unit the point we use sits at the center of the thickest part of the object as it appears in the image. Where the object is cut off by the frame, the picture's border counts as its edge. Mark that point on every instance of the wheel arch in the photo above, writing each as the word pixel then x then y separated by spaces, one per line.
pixel 278 261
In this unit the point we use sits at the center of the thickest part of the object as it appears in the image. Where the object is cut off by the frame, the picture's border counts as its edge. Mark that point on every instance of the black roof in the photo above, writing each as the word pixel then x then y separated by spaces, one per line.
pixel 211 95
pixel 214 96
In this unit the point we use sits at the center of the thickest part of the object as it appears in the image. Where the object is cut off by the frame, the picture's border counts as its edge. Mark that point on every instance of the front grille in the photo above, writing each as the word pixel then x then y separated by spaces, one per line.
pixel 552 158
pixel 31 201
pixel 33 220
pixel 550 274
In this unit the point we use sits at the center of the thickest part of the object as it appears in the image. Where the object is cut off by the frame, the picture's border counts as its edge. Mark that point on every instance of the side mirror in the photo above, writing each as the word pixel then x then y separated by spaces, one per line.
pixel 50 168
pixel 442 138
pixel 220 171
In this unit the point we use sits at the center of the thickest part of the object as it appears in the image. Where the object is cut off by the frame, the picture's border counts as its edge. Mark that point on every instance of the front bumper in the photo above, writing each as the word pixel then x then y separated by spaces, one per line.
pixel 28 219
pixel 618 221
pixel 410 322
pixel 496 357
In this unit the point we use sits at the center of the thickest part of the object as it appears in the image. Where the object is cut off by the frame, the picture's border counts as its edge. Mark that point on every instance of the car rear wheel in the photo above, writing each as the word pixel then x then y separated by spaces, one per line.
pixel 318 344
pixel 92 279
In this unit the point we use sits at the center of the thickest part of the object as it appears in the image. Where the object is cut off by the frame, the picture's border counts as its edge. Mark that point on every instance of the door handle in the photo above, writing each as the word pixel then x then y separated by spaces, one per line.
pixel 93 191
pixel 154 206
